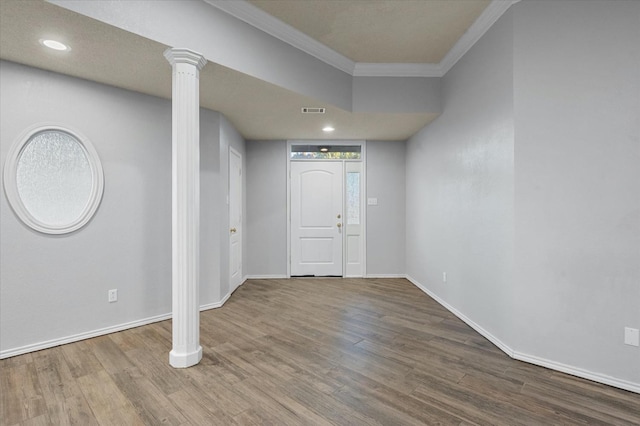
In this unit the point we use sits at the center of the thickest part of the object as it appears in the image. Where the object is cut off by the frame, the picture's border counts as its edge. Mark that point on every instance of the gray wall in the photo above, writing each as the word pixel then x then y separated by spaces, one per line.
pixel 386 221
pixel 216 136
pixel 459 187
pixel 211 194
pixel 266 179
pixel 393 94
pixel 526 190
pixel 55 287
pixel 267 208
pixel 577 183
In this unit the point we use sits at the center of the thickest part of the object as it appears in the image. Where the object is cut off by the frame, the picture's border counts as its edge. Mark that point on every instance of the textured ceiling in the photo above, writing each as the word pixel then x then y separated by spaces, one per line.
pixel 259 110
pixel 381 31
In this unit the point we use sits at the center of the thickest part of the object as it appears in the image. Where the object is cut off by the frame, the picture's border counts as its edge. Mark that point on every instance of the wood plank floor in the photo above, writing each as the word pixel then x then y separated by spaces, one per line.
pixel 305 352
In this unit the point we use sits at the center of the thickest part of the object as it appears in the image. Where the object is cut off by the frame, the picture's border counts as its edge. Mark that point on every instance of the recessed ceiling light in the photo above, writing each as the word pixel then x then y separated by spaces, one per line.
pixel 55 45
pixel 328 129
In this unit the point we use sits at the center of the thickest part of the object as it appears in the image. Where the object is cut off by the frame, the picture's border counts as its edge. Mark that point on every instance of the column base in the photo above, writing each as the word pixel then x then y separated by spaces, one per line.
pixel 184 360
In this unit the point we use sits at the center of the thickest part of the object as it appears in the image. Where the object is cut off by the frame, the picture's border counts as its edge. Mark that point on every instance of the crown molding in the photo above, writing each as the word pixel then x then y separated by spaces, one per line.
pixel 363 69
pixel 481 25
pixel 256 17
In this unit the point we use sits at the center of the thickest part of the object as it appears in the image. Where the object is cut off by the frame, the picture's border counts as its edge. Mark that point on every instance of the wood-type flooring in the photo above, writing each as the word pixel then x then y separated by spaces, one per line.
pixel 305 352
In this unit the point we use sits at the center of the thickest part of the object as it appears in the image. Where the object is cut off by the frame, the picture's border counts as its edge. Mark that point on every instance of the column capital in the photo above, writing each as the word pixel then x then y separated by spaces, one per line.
pixel 185 56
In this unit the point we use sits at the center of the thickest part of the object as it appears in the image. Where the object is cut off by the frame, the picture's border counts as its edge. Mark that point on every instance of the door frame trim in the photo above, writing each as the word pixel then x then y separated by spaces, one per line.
pixel 233 151
pixel 363 195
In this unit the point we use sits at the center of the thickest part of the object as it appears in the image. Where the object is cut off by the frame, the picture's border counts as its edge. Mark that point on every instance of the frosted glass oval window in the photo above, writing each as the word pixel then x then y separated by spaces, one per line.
pixel 53 180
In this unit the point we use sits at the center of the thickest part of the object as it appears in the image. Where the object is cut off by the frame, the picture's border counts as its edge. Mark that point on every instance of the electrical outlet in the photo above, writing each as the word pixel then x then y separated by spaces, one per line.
pixel 444 277
pixel 631 336
pixel 113 295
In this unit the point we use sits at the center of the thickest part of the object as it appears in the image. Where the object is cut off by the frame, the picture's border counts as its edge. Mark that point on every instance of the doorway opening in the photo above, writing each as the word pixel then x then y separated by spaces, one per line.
pixel 326 223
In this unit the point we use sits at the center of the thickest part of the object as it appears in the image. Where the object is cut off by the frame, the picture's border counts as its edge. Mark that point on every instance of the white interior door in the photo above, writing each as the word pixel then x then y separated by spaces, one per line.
pixel 235 219
pixel 316 218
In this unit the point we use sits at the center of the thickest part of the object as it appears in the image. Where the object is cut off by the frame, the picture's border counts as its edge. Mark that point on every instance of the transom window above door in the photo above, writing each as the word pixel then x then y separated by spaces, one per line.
pixel 326 152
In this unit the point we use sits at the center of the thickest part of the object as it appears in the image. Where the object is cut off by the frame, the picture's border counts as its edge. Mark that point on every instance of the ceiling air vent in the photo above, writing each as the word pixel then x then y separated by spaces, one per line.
pixel 312 110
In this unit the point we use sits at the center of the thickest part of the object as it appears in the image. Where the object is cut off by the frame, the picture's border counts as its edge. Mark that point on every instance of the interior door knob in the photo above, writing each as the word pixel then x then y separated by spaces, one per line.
pixel 339 225
pixel 233 230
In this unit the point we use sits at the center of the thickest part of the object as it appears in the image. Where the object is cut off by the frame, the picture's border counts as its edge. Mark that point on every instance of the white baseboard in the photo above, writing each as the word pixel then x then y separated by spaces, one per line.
pixel 99 332
pixel 242 281
pixel 215 305
pixel 81 336
pixel 223 300
pixel 579 372
pixel 382 276
pixel 553 365
pixel 266 277
pixel 284 277
pixel 493 339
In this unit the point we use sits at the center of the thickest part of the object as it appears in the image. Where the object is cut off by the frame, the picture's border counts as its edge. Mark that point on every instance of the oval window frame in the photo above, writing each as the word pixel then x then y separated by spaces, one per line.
pixel 11 185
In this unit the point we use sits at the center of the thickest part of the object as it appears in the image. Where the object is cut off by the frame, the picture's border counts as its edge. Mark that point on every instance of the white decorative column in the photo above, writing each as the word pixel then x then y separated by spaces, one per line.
pixel 186 206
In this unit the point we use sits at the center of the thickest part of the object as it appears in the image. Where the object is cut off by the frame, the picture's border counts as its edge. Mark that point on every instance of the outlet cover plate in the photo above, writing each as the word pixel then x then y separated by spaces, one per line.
pixel 631 336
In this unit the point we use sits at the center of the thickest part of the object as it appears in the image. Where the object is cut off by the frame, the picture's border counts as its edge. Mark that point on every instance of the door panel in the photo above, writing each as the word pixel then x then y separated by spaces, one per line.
pixel 316 218
pixel 316 250
pixel 316 186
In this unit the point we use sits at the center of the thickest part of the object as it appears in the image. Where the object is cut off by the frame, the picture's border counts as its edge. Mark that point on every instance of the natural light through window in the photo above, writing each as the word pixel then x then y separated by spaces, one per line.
pixel 325 152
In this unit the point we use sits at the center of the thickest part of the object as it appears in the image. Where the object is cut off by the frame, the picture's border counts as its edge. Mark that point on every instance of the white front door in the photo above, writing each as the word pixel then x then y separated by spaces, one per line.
pixel 235 219
pixel 316 218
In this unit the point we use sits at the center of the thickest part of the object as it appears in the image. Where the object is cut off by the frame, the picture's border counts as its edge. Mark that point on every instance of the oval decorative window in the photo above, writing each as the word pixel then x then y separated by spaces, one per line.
pixel 53 179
